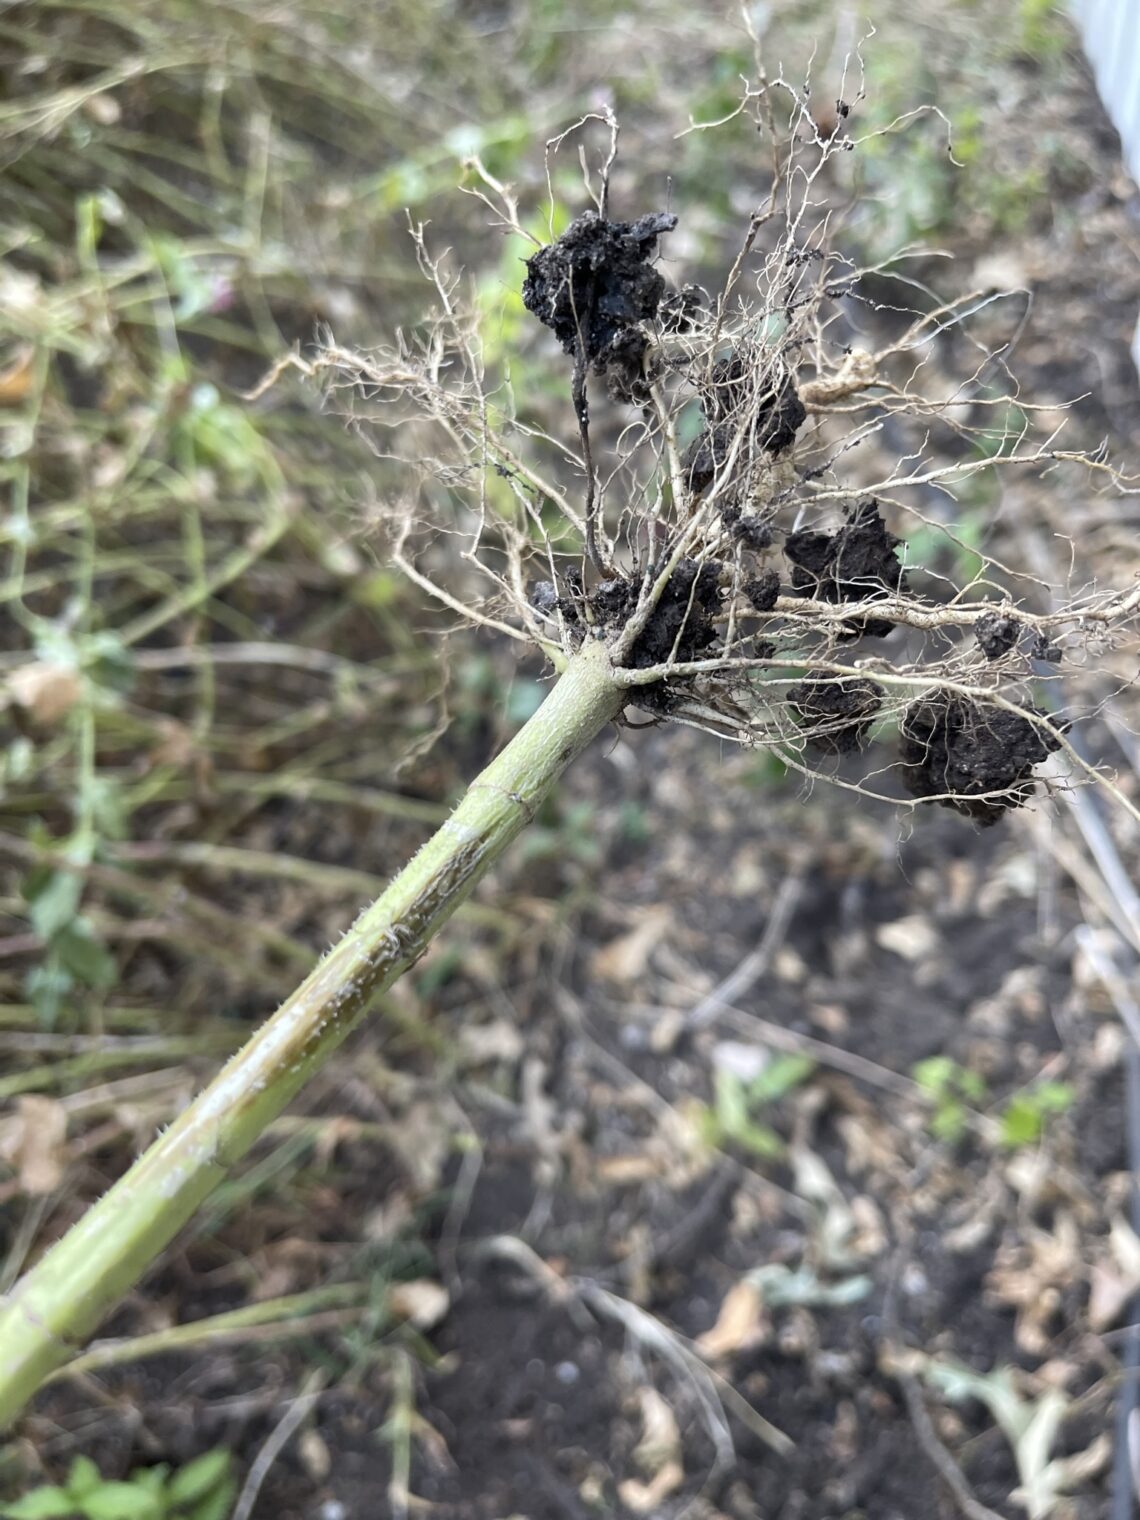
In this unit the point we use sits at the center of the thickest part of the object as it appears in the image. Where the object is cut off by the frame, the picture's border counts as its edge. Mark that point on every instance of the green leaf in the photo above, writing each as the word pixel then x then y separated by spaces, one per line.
pixel 934 1075
pixel 200 1477
pixel 87 958
pixel 731 1102
pixel 971 1085
pixel 949 1120
pixel 41 1504
pixel 735 1121
pixel 122 1501
pixel 781 1287
pixel 83 1477
pixel 779 1077
pixel 46 986
pixel 215 1506
pixel 152 1480
pixel 1054 1097
pixel 1021 1123
pixel 55 903
pixel 760 1139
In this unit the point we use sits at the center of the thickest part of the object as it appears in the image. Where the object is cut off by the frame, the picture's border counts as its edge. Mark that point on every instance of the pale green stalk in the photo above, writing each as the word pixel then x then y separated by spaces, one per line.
pixel 53 1309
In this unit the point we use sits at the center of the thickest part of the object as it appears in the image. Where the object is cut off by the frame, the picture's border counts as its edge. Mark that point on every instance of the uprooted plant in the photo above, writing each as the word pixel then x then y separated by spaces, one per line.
pixel 714 542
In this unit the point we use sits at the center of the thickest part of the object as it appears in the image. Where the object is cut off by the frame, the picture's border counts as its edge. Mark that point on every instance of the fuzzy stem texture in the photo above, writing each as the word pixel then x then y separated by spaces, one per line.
pixel 52 1310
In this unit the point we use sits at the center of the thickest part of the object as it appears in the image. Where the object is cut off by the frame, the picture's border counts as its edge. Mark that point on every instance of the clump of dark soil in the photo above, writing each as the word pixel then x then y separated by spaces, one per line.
pixel 706 456
pixel 763 590
pixel 975 759
pixel 835 712
pixel 680 627
pixel 996 632
pixel 595 286
pixel 748 529
pixel 777 414
pixel 1044 649
pixel 855 564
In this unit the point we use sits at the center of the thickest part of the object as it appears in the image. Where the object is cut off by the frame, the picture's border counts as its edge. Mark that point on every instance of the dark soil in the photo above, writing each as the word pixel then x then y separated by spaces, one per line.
pixel 835 712
pixel 679 628
pixel 742 381
pixel 983 755
pixel 996 634
pixel 763 590
pixel 749 530
pixel 596 286
pixel 856 563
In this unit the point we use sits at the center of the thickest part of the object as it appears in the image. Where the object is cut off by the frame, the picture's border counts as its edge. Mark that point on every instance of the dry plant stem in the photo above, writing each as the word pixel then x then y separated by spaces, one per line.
pixel 52 1310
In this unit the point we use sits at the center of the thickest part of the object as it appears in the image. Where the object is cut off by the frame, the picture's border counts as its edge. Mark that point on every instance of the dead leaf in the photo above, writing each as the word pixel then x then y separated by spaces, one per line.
pixel 1125 1247
pixel 315 1456
pixel 914 938
pixel 32 1142
pixel 45 691
pixel 498 1041
pixel 16 378
pixel 1112 1286
pixel 625 959
pixel 1031 1276
pixel 739 1326
pixel 619 1171
pixel 422 1302
pixel 421 1141
pixel 103 109
pixel 645 1498
pixel 1003 269
pixel 658 1453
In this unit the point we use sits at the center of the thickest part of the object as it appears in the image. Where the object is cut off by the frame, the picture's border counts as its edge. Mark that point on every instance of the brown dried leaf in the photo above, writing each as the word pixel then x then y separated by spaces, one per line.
pixel 739 1325
pixel 1126 1248
pixel 621 1170
pixel 32 1141
pixel 658 1453
pixel 103 108
pixel 645 1498
pixel 498 1041
pixel 1113 1285
pixel 625 959
pixel 913 938
pixel 1031 1276
pixel 16 378
pixel 45 691
pixel 422 1302
pixel 315 1456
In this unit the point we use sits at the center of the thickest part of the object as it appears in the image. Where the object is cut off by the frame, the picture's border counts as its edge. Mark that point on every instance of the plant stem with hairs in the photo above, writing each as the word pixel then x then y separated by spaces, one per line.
pixel 56 1306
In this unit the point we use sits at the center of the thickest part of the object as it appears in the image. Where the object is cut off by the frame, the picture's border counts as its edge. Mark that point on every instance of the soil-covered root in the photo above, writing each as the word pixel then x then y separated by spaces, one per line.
pixel 594 288
pixel 681 626
pixel 740 401
pixel 857 563
pixel 762 590
pixel 835 712
pixel 971 757
pixel 996 633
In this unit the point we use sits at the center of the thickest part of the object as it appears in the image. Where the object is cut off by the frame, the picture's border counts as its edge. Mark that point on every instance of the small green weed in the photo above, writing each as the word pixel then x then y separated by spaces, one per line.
pixel 737 1100
pixel 1023 1120
pixel 953 1090
pixel 202 1490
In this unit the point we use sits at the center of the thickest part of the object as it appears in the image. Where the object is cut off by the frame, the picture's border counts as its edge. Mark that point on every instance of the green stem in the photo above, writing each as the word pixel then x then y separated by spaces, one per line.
pixel 54 1308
